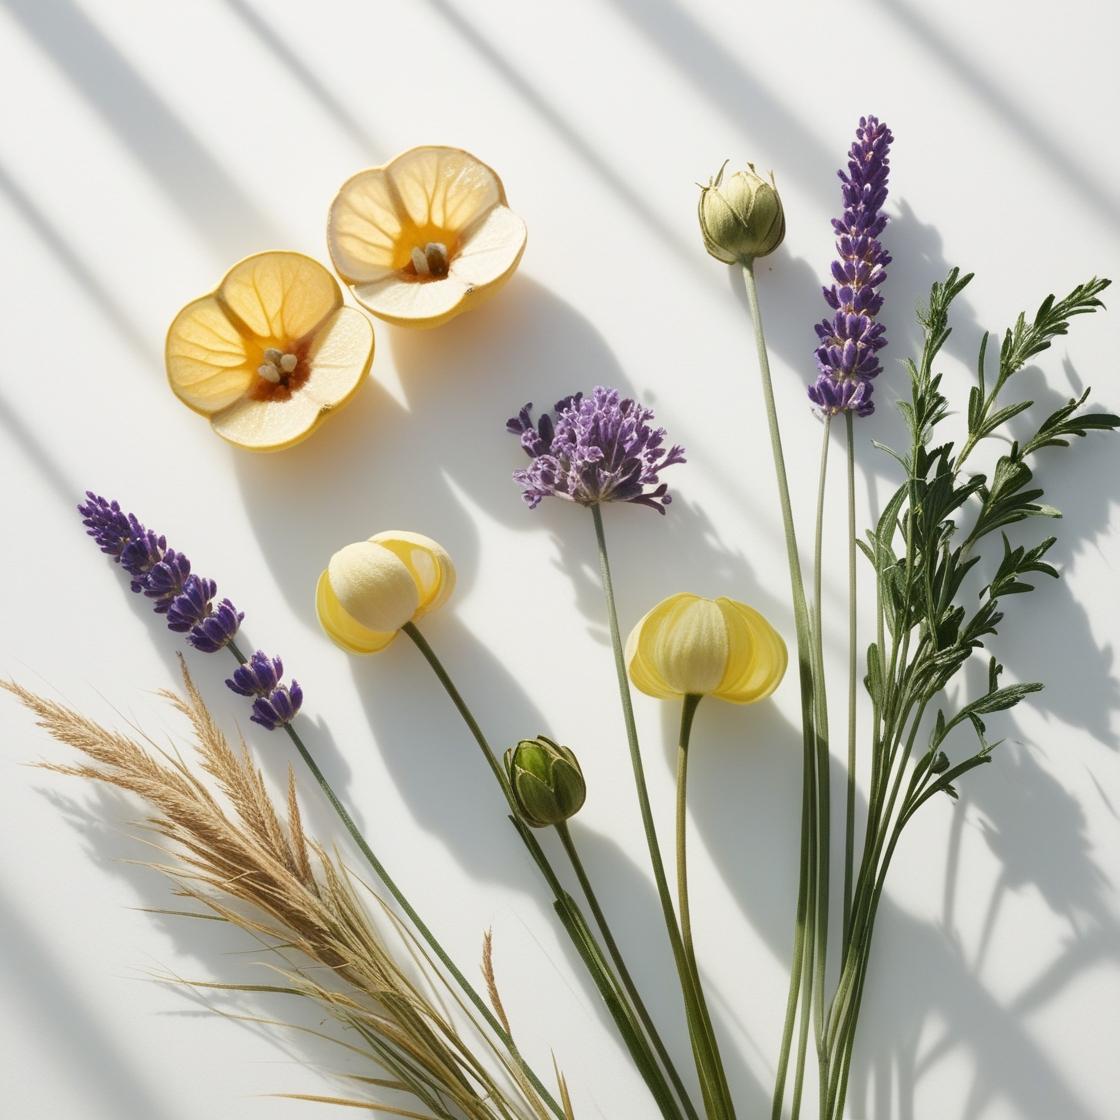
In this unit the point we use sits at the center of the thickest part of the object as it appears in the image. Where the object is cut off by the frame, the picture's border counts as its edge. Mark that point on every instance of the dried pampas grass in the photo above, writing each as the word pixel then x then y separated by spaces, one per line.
pixel 256 868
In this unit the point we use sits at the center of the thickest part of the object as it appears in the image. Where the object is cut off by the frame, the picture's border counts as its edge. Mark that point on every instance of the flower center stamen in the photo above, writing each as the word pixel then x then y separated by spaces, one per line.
pixel 431 260
pixel 277 365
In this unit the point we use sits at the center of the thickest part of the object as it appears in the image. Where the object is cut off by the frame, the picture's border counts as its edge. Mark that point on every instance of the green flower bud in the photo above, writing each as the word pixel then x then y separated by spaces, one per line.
pixel 742 218
pixel 547 782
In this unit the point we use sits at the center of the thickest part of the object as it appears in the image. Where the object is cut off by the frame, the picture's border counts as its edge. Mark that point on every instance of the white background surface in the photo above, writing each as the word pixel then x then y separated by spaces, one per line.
pixel 146 147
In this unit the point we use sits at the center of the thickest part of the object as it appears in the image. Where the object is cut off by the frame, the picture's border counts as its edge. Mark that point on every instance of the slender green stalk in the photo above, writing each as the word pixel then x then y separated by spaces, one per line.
pixel 569 845
pixel 804 932
pixel 688 713
pixel 709 1067
pixel 853 677
pixel 824 796
pixel 636 1040
pixel 406 907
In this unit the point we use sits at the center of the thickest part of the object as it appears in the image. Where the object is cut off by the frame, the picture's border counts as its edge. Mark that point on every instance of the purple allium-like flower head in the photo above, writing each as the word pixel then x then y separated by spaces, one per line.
pixel 162 574
pixel 595 449
pixel 849 342
pixel 274 704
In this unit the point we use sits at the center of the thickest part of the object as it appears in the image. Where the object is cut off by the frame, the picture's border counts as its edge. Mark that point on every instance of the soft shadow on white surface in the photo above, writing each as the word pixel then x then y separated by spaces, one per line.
pixel 207 197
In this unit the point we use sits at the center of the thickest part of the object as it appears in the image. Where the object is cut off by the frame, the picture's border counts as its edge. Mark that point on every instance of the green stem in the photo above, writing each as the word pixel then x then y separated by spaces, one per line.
pixel 656 1082
pixel 688 714
pixel 713 1080
pixel 596 909
pixel 853 676
pixel 824 796
pixel 803 931
pixel 406 907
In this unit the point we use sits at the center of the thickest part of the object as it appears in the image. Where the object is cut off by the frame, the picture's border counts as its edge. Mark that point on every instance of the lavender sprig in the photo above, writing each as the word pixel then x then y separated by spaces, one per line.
pixel 597 448
pixel 162 574
pixel 849 341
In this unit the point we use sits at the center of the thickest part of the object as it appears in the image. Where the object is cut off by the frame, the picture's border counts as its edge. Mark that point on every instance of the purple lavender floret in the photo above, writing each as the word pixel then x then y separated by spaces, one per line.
pixel 162 574
pixel 217 629
pixel 274 704
pixel 849 342
pixel 258 676
pixel 110 527
pixel 279 707
pixel 596 449
pixel 166 579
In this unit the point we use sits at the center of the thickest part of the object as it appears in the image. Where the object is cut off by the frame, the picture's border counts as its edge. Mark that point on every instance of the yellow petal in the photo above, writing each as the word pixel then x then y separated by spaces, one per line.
pixel 364 228
pixel 407 302
pixel 428 563
pixel 758 656
pixel 338 360
pixel 445 188
pixel 343 630
pixel 373 586
pixel 679 648
pixel 208 363
pixel 280 297
pixel 490 250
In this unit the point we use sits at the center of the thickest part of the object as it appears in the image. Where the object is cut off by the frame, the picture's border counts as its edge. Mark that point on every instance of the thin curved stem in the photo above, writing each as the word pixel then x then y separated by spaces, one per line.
pixel 658 1087
pixel 853 677
pixel 713 1080
pixel 803 929
pixel 688 713
pixel 824 796
pixel 419 925
pixel 569 845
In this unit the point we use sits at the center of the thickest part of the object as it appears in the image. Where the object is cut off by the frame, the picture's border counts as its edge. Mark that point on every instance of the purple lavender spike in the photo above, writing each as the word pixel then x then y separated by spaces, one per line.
pixel 849 342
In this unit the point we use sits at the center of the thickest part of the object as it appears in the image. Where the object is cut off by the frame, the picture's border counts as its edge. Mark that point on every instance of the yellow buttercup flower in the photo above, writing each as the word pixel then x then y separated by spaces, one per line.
pixel 370 589
pixel 270 353
pixel 692 646
pixel 424 237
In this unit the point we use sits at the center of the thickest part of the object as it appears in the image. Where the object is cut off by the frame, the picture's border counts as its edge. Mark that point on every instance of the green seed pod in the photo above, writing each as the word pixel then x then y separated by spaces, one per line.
pixel 547 781
pixel 741 218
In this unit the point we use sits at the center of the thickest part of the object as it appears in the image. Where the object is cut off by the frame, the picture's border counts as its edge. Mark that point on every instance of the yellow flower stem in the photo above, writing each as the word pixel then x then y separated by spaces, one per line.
pixel 709 1067
pixel 652 1075
pixel 688 713
pixel 804 934
pixel 569 845
pixel 420 926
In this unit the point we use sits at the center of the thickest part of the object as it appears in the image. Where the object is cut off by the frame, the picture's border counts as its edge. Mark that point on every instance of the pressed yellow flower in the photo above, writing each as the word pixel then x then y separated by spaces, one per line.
pixel 370 589
pixel 692 646
pixel 270 353
pixel 424 237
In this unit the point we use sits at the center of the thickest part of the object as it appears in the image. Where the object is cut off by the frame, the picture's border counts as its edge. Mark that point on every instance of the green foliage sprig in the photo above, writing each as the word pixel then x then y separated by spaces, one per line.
pixel 930 623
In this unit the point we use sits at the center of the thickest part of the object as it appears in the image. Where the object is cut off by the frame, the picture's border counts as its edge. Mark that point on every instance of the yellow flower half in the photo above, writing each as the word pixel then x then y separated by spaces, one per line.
pixel 439 200
pixel 689 645
pixel 370 589
pixel 276 305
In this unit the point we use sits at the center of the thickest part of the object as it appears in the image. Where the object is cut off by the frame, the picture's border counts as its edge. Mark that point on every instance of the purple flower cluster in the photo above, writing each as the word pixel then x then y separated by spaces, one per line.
pixel 162 574
pixel 165 576
pixel 849 342
pixel 274 704
pixel 597 448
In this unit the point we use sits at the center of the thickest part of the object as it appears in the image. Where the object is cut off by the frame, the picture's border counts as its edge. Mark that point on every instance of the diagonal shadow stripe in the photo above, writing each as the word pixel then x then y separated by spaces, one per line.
pixel 202 190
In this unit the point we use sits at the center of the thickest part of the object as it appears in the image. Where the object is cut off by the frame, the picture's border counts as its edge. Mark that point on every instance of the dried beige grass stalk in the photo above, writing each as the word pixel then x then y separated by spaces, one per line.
pixel 257 870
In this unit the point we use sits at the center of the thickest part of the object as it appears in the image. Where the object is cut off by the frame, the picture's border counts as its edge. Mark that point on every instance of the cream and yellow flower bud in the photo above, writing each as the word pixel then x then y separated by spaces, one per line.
pixel 370 589
pixel 692 646
pixel 741 217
